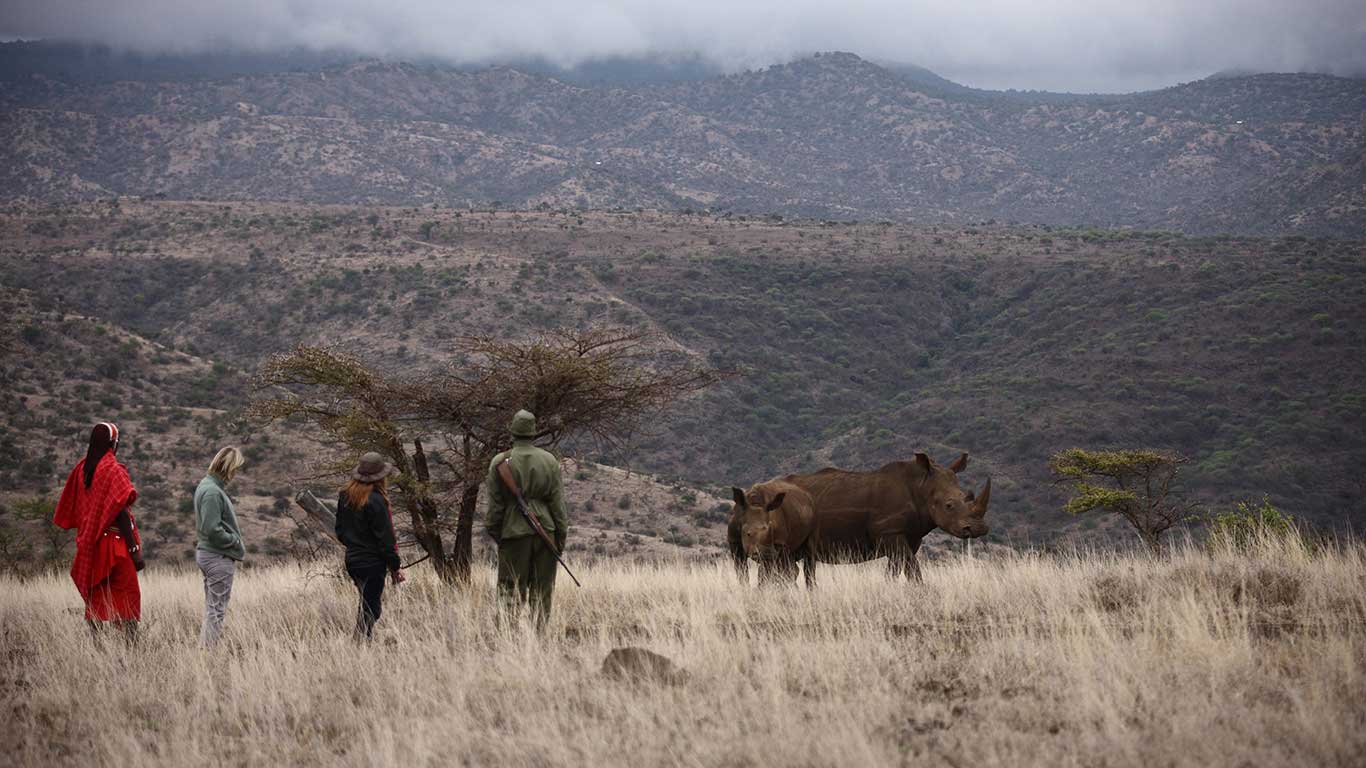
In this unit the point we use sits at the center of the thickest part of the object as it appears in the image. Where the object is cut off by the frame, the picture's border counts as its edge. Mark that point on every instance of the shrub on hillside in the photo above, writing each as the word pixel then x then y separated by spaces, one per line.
pixel 1243 525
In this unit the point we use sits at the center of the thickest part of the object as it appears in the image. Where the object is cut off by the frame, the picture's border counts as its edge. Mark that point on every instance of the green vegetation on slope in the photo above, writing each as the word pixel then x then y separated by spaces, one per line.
pixel 857 344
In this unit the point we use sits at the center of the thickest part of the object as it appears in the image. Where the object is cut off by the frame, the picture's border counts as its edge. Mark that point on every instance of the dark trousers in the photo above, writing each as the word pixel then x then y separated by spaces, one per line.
pixel 526 577
pixel 369 581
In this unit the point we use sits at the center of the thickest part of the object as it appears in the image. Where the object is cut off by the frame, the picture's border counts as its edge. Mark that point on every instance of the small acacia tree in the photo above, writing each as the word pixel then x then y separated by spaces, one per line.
pixel 596 386
pixel 355 408
pixel 1137 485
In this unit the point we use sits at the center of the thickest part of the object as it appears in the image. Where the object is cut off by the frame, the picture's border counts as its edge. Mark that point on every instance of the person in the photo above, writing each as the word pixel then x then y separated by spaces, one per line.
pixel 365 526
pixel 97 501
pixel 219 548
pixel 526 565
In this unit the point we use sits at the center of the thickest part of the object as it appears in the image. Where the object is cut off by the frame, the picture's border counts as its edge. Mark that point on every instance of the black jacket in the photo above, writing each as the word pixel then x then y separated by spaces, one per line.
pixel 367 533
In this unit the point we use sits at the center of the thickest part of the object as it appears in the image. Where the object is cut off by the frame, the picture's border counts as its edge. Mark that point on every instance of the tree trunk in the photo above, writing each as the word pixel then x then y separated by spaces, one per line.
pixel 422 509
pixel 474 465
pixel 322 514
pixel 429 535
pixel 463 556
pixel 1151 537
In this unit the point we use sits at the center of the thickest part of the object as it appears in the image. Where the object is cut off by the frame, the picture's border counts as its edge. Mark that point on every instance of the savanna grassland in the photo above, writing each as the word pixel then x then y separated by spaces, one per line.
pixel 1198 658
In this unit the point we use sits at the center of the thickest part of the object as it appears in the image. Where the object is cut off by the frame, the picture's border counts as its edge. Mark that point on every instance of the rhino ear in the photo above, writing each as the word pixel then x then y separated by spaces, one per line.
pixel 924 462
pixel 959 464
pixel 739 497
pixel 777 501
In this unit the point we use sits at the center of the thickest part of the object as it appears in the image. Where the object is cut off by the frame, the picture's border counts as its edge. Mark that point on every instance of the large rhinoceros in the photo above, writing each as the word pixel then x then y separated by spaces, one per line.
pixel 862 516
pixel 773 523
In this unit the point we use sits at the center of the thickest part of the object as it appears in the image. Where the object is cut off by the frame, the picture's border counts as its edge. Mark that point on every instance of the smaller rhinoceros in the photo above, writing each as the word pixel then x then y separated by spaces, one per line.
pixel 773 524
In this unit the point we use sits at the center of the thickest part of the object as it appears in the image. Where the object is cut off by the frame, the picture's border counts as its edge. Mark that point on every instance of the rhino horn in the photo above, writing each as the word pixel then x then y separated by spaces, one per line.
pixel 981 504
pixel 739 496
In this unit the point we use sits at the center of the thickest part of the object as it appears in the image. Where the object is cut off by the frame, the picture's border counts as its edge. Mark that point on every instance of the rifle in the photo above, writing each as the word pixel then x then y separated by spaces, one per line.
pixel 510 482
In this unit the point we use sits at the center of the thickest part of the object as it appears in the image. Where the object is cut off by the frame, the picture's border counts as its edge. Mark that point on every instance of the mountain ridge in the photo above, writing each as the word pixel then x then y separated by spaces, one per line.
pixel 826 136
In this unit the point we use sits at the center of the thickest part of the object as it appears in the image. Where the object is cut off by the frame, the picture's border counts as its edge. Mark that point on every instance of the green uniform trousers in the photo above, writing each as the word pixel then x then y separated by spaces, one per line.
pixel 526 577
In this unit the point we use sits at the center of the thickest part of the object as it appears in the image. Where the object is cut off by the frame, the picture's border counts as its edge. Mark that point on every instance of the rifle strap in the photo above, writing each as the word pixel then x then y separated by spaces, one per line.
pixel 505 474
pixel 509 480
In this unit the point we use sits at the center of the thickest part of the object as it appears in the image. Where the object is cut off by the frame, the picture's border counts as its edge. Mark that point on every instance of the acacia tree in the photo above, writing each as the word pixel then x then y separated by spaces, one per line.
pixel 595 386
pixel 1137 485
pixel 356 408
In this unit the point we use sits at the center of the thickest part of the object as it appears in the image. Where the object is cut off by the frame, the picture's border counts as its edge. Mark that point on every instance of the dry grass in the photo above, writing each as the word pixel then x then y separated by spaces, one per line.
pixel 1231 659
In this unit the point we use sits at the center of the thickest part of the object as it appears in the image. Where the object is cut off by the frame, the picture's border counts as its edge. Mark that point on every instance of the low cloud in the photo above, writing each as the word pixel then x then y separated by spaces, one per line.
pixel 1081 45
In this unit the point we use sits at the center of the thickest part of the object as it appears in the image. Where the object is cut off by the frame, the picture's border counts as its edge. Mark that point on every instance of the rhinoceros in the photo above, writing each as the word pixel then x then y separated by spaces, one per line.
pixel 861 516
pixel 773 524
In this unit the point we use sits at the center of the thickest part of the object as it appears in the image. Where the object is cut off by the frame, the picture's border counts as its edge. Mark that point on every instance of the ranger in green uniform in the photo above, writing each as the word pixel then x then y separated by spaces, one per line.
pixel 526 566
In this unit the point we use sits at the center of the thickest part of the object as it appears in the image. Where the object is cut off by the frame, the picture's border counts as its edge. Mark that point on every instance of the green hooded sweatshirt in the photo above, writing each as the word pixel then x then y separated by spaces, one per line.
pixel 538 474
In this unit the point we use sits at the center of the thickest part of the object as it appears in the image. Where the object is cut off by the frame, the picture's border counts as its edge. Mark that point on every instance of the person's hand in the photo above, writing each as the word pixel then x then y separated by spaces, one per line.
pixel 399 578
pixel 138 562
pixel 559 542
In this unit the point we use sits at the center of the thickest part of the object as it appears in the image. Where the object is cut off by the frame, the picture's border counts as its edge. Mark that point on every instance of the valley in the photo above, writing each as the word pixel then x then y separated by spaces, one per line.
pixel 849 344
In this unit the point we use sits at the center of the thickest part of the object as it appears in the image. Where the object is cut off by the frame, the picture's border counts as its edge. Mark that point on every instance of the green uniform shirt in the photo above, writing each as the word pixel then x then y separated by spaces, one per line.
pixel 538 474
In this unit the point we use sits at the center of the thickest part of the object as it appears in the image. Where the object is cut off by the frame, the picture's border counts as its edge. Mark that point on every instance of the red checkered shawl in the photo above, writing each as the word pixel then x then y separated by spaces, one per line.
pixel 91 511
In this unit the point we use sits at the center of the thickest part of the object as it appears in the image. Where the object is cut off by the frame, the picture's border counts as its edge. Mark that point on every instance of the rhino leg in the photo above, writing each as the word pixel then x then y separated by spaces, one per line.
pixel 782 569
pixel 913 564
pixel 737 555
pixel 900 554
pixel 778 570
pixel 809 568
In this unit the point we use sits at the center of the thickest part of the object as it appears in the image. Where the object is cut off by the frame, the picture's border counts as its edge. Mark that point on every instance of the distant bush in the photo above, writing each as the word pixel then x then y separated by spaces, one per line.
pixel 1244 525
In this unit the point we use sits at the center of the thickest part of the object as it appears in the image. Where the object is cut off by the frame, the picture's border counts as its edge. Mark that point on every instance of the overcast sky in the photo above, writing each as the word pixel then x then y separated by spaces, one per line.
pixel 1078 45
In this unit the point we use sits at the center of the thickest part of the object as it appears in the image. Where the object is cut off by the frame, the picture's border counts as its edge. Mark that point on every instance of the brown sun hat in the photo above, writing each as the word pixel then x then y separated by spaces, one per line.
pixel 373 468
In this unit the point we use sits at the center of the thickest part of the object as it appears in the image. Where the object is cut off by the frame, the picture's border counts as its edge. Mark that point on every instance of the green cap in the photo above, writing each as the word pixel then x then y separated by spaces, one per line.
pixel 524 424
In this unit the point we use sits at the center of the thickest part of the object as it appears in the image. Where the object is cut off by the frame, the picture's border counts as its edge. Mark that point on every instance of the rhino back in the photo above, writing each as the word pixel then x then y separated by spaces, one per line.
pixel 852 510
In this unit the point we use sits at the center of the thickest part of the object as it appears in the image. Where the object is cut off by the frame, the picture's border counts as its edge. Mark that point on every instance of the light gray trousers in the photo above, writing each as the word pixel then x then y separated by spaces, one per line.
pixel 218 571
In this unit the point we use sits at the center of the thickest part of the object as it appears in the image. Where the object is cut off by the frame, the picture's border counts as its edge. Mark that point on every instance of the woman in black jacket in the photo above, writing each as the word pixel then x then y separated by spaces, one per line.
pixel 365 527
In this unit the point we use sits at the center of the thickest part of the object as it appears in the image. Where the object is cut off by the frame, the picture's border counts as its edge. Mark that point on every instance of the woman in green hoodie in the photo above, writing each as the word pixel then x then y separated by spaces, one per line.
pixel 220 540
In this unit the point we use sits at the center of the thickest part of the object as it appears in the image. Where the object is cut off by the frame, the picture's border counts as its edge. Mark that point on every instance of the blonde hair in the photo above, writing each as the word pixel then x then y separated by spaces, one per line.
pixel 226 463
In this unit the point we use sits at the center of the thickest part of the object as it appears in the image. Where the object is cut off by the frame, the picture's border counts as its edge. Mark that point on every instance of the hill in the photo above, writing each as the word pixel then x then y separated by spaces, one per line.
pixel 829 136
pixel 65 371
pixel 856 344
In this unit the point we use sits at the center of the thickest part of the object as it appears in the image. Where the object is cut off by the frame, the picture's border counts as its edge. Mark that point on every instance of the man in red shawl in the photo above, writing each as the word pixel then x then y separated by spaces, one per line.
pixel 96 502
